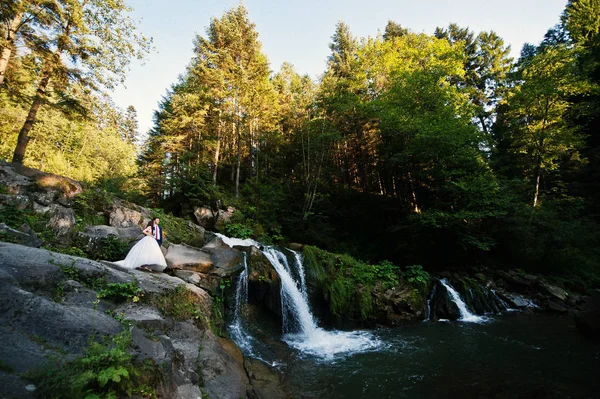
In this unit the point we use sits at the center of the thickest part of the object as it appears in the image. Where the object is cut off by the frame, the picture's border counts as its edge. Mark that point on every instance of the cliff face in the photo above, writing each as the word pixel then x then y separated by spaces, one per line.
pixel 72 326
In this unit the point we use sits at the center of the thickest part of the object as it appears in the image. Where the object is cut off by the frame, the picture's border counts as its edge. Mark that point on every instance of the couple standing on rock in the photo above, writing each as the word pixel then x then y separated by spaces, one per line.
pixel 146 253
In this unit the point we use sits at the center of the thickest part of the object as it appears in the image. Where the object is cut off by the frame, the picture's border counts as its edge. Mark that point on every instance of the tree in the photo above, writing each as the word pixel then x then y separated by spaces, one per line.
pixel 392 30
pixel 533 117
pixel 486 64
pixel 89 44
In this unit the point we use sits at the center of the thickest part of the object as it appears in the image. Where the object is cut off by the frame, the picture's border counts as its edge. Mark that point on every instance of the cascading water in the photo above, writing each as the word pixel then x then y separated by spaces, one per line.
pixel 465 314
pixel 299 325
pixel 308 337
pixel 236 328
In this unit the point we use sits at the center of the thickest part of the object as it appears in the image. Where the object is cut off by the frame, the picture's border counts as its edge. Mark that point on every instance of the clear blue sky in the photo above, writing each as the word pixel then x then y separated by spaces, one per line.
pixel 299 32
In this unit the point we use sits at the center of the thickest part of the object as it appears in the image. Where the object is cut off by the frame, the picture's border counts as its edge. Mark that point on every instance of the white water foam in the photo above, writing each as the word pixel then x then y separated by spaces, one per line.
pixel 232 241
pixel 465 314
pixel 311 339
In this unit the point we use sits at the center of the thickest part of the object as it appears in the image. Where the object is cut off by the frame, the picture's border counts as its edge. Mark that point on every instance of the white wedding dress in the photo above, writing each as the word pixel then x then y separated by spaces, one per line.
pixel 146 252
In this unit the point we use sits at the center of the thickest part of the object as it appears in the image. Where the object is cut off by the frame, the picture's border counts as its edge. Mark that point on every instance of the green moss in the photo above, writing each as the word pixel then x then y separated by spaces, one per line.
pixel 179 304
pixel 349 285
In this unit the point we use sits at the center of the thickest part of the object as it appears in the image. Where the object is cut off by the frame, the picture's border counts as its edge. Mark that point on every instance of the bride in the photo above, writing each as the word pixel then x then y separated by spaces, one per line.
pixel 145 254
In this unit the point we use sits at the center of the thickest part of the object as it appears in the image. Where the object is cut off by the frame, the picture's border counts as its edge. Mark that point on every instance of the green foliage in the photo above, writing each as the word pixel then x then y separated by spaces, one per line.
pixel 180 304
pixel 121 292
pixel 349 285
pixel 417 277
pixel 238 230
pixel 110 248
pixel 177 230
pixel 104 370
pixel 90 207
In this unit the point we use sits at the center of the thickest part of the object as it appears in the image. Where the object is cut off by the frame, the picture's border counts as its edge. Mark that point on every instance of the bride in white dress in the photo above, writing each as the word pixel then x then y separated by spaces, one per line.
pixel 146 252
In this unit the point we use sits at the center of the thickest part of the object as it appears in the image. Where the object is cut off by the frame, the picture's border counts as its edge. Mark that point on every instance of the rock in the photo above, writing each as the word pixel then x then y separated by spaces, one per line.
pixel 130 233
pixel 124 214
pixel 28 238
pixel 216 242
pixel 205 217
pixel 295 246
pixel 264 284
pixel 16 176
pixel 556 292
pixel 20 202
pixel 588 319
pixel 62 219
pixel 224 218
pixel 223 376
pixel 264 379
pixel 204 300
pixel 442 307
pixel 556 307
pixel 181 256
pixel 45 198
pixel 100 231
pixel 518 302
pixel 206 281
pixel 226 261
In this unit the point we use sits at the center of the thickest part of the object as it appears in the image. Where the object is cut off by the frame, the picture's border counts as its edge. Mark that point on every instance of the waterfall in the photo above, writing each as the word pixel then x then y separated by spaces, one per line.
pixel 293 301
pixel 302 330
pixel 299 325
pixel 236 328
pixel 429 302
pixel 465 314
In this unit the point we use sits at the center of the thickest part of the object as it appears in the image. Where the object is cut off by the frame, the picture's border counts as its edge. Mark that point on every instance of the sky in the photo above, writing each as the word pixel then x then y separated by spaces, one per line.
pixel 299 32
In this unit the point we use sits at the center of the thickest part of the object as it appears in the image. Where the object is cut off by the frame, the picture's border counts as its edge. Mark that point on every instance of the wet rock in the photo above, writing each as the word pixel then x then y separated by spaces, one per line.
pixel 556 307
pixel 556 292
pixel 588 319
pixel 224 376
pixel 265 381
pixel 441 305
pixel 226 261
pixel 264 284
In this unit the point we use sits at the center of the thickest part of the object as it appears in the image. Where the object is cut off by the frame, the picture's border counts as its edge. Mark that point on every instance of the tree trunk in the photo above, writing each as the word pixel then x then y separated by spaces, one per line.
pixel 11 36
pixel 23 138
pixel 217 151
pixel 239 154
pixel 537 188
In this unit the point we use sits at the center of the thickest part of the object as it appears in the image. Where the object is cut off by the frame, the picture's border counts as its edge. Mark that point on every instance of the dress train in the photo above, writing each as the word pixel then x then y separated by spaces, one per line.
pixel 146 252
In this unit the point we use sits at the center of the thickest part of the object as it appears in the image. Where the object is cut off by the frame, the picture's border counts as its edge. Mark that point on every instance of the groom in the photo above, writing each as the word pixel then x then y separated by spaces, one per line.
pixel 157 232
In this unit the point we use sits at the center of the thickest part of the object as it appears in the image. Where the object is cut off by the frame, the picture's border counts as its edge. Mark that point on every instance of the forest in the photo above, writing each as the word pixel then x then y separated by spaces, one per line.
pixel 435 150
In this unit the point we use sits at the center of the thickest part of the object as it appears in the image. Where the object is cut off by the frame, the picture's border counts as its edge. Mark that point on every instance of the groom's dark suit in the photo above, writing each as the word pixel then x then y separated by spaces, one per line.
pixel 157 233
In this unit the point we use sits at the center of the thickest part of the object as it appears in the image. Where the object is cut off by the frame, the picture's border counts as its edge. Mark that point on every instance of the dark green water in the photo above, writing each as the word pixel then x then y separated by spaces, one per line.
pixel 515 355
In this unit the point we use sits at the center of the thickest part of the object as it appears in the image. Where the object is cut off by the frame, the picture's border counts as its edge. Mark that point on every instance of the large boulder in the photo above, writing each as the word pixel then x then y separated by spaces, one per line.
pixel 441 305
pixel 185 257
pixel 587 320
pixel 205 217
pixel 227 261
pixel 264 284
pixel 125 214
pixel 222 368
pixel 266 382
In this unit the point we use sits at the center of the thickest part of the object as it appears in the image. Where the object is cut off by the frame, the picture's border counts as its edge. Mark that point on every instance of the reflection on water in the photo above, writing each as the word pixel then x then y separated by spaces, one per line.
pixel 513 356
